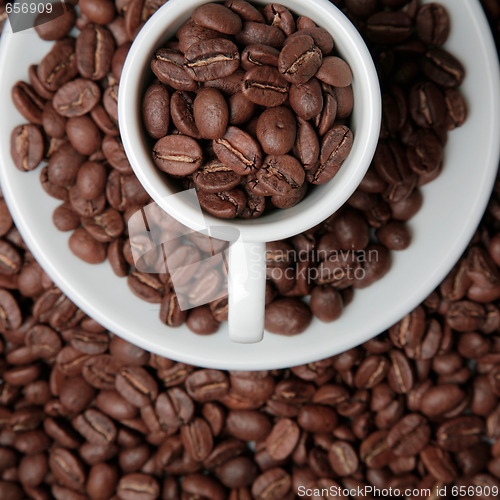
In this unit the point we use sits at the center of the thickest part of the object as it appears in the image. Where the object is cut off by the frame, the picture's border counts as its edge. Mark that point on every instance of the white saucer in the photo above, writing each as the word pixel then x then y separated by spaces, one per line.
pixel 452 209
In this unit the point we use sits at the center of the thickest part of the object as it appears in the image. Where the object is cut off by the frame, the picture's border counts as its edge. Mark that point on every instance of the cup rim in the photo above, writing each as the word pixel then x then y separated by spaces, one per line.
pixel 281 224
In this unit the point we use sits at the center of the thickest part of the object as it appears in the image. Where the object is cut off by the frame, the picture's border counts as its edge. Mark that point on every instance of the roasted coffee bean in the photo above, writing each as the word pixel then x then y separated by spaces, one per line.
pixel 409 436
pixel 282 439
pixel 84 246
pixel 170 312
pixel 433 24
pixel 260 33
pixel 58 67
pixel 276 130
pixel 177 155
pixel 191 32
pixel 238 150
pixel 197 439
pixel 224 204
pixel 211 59
pixel 83 134
pixel 102 479
pixel 278 15
pixel 259 55
pixel 281 175
pixel 168 66
pixel 321 38
pixel 95 427
pixel 300 59
pixel 217 17
pixel 138 485
pixel 28 102
pixel 27 147
pixel 287 316
pixel 326 303
pixel 426 105
pixel 77 97
pixel 137 386
pixel 443 68
pixel 155 111
pixel 335 147
pixel 389 27
pixel 275 480
pixel 460 432
pixel 215 177
pixel 307 99
pixel 394 235
pixel 335 71
pixel 343 458
pixel 67 468
pixel 94 51
pixel 100 12
pixel 265 86
pixel 55 24
pixel 307 147
pixel 211 113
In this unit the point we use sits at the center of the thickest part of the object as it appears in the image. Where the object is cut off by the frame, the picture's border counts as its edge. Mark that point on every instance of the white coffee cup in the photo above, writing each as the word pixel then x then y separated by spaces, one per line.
pixel 246 280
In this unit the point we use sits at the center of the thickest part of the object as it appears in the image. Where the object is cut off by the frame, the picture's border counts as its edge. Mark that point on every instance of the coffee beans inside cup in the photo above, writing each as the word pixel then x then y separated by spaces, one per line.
pixel 246 108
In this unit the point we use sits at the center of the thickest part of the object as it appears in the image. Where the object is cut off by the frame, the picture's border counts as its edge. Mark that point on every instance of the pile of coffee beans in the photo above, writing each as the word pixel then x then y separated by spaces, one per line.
pixel 258 104
pixel 85 414
pixel 70 104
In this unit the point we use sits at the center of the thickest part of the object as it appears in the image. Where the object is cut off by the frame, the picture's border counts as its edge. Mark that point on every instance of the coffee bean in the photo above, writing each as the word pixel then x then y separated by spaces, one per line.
pixel 259 55
pixel 102 480
pixel 335 71
pixel 389 27
pixel 138 485
pixel 67 468
pixel 84 246
pixel 55 24
pixel 460 432
pixel 427 106
pixel 343 458
pixel 335 147
pixel 83 134
pixel 217 17
pixel 259 33
pixel 94 51
pixel 27 147
pixel 321 38
pixel 211 113
pixel 443 68
pixel 433 24
pixel 28 102
pixel 136 386
pixel 197 439
pixel 58 67
pixel 409 436
pixel 275 480
pixel 178 155
pixel 307 99
pixel 155 113
pixel 238 150
pixel 264 86
pixel 98 12
pixel 276 130
pixel 224 204
pixel 95 427
pixel 281 174
pixel 200 320
pixel 282 439
pixel 300 59
pixel 211 59
pixel 76 98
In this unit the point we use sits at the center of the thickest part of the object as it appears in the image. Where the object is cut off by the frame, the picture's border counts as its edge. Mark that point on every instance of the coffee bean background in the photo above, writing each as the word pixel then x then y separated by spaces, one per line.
pixel 84 414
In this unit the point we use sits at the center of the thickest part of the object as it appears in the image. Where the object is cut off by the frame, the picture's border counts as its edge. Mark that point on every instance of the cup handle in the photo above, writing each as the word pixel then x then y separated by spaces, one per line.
pixel 247 291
